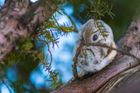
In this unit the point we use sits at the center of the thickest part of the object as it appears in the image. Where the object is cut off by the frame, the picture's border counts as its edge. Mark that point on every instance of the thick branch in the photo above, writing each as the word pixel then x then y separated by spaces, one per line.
pixel 13 23
pixel 131 43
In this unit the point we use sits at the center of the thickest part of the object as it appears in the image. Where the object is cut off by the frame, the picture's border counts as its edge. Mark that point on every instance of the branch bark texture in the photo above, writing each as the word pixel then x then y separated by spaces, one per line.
pixel 115 77
pixel 19 19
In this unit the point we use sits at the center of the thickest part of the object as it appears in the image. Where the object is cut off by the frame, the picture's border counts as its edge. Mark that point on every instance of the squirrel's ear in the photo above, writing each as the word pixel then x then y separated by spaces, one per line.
pixel 88 25
pixel 107 27
pixel 90 21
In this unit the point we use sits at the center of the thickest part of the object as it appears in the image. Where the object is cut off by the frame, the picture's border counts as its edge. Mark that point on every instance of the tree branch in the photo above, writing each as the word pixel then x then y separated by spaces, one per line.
pixel 12 24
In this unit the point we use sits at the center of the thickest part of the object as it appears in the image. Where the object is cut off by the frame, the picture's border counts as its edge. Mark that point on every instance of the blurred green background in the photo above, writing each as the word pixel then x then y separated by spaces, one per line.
pixel 124 12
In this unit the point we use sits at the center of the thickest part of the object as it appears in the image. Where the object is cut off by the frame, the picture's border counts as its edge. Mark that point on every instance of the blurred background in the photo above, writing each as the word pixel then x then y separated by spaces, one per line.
pixel 36 80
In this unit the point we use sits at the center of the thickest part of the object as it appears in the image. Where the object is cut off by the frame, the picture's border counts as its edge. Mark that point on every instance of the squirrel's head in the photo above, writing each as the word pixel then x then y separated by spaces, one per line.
pixel 94 31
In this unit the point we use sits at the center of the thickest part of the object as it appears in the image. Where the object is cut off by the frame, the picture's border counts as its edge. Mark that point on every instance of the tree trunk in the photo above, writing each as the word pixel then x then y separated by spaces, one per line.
pixel 19 19
pixel 121 76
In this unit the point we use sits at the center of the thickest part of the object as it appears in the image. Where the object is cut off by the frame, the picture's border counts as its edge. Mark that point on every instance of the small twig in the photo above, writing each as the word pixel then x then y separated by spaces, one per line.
pixel 118 50
pixel 6 85
pixel 75 73
pixel 50 55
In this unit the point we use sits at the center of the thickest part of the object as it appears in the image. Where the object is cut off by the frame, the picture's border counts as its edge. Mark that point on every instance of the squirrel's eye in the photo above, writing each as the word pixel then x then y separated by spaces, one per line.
pixel 95 37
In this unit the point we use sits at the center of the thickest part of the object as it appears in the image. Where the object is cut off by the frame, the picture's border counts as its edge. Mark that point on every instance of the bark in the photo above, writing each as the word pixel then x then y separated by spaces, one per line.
pixel 121 76
pixel 19 19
